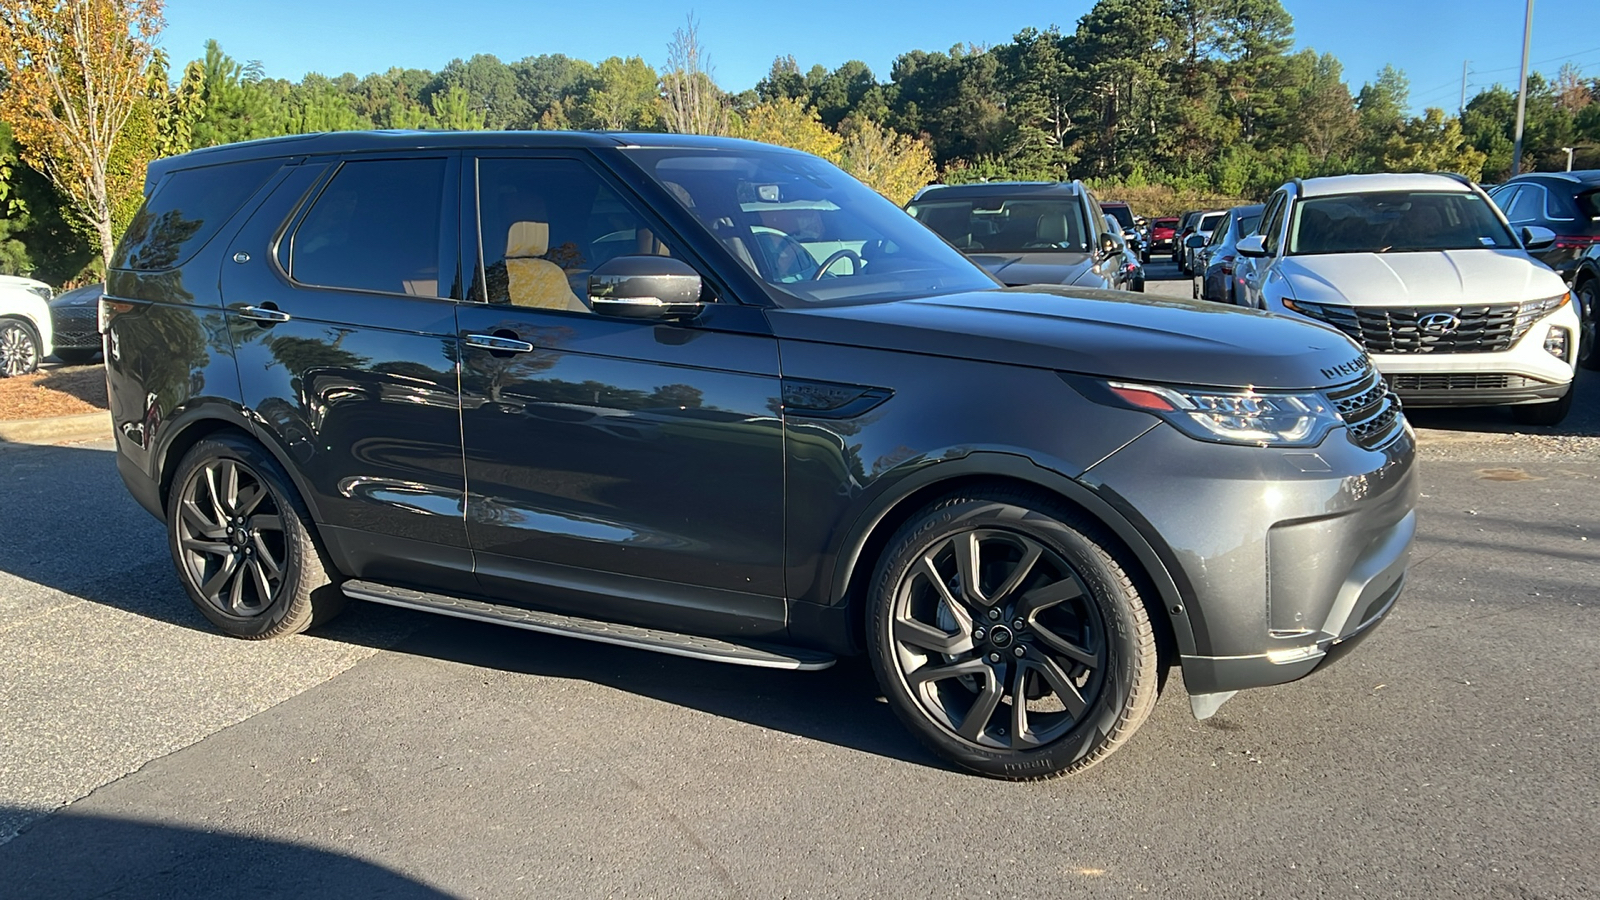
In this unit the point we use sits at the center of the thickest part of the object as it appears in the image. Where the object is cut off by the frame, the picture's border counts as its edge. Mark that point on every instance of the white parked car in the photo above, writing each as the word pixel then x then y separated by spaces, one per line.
pixel 1423 272
pixel 24 324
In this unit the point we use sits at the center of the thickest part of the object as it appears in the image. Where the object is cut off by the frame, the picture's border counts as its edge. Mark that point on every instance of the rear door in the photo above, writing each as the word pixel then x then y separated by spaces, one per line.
pixel 616 468
pixel 343 314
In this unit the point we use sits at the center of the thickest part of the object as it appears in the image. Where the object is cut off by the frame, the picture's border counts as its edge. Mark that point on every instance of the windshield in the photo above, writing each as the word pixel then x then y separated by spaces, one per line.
pixel 1396 222
pixel 807 230
pixel 1006 225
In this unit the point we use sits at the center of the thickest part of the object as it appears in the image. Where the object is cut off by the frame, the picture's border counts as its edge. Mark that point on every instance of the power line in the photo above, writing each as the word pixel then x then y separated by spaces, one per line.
pixel 1538 62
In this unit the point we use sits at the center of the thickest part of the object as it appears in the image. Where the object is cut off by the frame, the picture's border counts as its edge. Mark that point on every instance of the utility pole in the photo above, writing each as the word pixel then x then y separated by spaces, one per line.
pixel 1462 109
pixel 1522 91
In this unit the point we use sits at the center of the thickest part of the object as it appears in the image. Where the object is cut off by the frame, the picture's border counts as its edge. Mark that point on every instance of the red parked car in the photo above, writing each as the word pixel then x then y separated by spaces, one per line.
pixel 1162 231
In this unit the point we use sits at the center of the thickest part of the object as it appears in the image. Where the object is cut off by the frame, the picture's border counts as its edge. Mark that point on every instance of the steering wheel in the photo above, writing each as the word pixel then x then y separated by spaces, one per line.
pixel 835 256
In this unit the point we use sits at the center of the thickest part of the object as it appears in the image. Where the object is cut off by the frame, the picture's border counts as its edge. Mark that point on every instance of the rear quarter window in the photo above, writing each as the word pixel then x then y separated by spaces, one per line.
pixel 185 210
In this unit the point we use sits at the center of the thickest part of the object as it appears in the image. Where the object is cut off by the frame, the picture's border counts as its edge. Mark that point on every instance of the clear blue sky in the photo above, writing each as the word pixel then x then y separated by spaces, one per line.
pixel 1428 39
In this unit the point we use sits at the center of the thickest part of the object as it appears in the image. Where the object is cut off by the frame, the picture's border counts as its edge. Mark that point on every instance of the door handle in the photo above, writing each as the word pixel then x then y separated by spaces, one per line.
pixel 264 314
pixel 494 342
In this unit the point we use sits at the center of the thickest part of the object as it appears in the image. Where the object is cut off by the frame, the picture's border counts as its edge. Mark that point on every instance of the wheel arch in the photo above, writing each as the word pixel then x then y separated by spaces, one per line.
pixel 194 430
pixel 870 535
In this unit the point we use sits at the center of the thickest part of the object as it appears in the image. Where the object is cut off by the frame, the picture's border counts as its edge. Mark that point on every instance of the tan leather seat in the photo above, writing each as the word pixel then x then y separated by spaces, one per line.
pixel 531 280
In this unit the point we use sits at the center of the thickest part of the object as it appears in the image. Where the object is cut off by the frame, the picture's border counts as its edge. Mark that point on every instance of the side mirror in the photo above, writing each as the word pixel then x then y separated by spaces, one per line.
pixel 645 287
pixel 1254 246
pixel 1537 237
pixel 1195 241
pixel 1110 245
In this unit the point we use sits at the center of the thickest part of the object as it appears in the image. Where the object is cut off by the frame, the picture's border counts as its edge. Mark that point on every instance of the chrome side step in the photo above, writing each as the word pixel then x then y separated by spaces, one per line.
pixel 713 649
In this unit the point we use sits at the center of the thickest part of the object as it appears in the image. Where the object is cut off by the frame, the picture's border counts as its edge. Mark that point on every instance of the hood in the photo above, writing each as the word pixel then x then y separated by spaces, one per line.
pixel 84 296
pixel 20 282
pixel 1109 334
pixel 1036 268
pixel 1445 277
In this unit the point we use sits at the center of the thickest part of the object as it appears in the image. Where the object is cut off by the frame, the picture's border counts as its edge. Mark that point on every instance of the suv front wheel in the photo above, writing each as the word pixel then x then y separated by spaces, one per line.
pixel 19 348
pixel 1007 634
pixel 243 543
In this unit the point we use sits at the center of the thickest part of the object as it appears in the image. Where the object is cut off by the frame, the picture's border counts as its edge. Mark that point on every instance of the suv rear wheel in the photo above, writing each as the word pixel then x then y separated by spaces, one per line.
pixel 243 542
pixel 1007 634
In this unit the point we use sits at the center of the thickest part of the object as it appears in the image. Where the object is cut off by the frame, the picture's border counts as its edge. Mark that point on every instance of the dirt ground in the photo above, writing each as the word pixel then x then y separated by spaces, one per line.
pixel 53 391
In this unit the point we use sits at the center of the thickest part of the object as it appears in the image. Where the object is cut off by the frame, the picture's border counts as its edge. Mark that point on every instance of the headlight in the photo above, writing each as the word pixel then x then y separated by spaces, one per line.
pixel 43 292
pixel 1263 419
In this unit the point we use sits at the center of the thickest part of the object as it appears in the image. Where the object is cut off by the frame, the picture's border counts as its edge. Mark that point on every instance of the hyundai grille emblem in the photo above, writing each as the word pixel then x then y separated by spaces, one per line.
pixel 1439 323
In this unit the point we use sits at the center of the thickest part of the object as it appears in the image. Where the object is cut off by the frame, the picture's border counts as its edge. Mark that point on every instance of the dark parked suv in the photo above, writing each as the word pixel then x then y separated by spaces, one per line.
pixel 1030 232
pixel 1567 203
pixel 720 400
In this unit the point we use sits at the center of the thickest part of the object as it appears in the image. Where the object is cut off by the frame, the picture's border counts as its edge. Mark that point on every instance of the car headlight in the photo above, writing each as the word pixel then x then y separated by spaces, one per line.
pixel 1258 418
pixel 43 292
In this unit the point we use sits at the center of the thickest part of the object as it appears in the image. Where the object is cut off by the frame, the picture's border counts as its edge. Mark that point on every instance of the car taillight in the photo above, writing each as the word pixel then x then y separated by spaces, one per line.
pixel 108 310
pixel 1227 265
pixel 1576 241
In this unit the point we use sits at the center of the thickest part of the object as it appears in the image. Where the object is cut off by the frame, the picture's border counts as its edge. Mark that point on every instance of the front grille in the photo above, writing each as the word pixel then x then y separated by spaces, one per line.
pixel 1488 328
pixel 1370 411
pixel 1466 381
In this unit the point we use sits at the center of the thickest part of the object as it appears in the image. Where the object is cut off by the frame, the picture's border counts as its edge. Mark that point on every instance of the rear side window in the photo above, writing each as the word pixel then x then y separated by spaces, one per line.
pixel 375 227
pixel 185 210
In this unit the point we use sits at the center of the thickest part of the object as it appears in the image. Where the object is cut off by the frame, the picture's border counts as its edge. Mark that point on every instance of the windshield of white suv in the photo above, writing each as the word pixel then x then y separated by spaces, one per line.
pixel 810 232
pixel 1396 222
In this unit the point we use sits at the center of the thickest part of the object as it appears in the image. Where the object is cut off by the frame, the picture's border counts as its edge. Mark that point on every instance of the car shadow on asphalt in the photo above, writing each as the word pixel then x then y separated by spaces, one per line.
pixel 73 855
pixel 1582 421
pixel 50 545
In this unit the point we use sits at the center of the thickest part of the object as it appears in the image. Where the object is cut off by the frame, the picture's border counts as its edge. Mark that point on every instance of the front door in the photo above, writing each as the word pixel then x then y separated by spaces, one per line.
pixel 617 469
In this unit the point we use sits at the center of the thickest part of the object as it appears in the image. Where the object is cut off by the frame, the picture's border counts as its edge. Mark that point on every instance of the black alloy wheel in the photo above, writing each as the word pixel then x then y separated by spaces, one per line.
pixel 1009 638
pixel 243 544
pixel 19 348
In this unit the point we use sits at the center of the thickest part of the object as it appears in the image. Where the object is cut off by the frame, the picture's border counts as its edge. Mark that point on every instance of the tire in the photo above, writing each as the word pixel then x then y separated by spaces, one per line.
pixel 228 574
pixel 76 356
pixel 1588 297
pixel 19 348
pixel 1073 635
pixel 1552 413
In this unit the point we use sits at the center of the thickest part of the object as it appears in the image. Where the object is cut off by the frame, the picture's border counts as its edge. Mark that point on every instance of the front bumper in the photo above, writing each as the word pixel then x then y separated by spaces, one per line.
pixel 1285 558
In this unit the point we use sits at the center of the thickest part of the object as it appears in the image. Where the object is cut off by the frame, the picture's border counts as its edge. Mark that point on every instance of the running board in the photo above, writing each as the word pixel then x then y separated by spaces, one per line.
pixel 767 657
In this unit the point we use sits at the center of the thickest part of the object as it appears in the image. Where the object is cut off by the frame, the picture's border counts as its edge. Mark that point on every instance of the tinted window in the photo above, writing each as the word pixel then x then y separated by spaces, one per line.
pixel 1527 205
pixel 185 210
pixel 1273 230
pixel 1219 234
pixel 1122 214
pixel 544 225
pixel 1248 223
pixel 1007 224
pixel 1209 222
pixel 375 227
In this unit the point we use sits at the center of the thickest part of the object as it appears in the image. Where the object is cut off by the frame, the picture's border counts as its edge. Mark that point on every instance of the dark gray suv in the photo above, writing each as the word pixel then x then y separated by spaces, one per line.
pixel 718 399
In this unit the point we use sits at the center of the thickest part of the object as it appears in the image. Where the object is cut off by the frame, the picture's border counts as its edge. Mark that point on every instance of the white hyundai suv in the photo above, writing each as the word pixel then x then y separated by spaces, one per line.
pixel 24 324
pixel 1425 274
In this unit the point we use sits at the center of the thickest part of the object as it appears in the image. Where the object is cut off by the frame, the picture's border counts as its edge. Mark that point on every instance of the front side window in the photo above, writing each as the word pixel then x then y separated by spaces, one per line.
pixel 1122 214
pixel 1219 234
pixel 544 225
pixel 809 232
pixel 375 227
pixel 1273 232
pixel 1527 205
pixel 1396 222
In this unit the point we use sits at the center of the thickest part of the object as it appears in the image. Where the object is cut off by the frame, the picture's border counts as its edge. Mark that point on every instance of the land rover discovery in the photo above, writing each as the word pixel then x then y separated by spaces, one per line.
pixel 719 399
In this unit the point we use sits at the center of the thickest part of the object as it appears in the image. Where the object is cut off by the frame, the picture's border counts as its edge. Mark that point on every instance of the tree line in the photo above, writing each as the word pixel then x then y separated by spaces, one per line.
pixel 1166 99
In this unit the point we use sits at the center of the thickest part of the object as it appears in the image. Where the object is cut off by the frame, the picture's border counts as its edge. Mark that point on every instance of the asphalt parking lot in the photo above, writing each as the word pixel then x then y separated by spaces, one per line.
pixel 394 754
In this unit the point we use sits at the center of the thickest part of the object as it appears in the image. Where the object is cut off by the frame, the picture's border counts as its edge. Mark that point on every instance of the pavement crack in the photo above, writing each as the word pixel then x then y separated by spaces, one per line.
pixel 687 832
